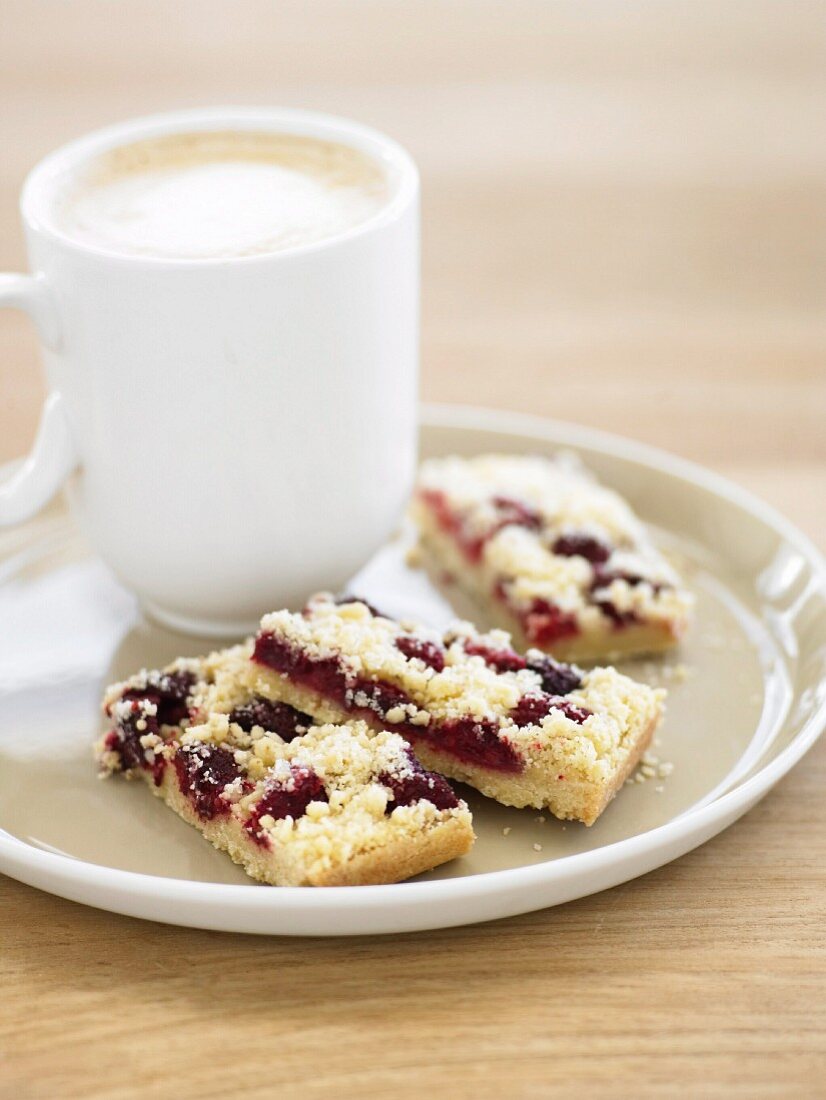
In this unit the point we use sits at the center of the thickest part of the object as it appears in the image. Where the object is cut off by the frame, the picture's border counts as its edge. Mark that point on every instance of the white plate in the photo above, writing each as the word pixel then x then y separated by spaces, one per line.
pixel 747 699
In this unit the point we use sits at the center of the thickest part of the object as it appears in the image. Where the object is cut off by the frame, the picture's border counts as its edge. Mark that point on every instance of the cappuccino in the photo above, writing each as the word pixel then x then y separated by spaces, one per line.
pixel 222 194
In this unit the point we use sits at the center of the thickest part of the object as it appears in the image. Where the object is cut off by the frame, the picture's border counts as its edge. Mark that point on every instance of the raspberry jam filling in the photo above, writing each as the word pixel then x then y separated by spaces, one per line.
pixel 418 648
pixel 542 622
pixel 508 513
pixel 169 695
pixel 583 546
pixel 531 709
pixel 452 524
pixel 273 717
pixel 619 619
pixel 204 771
pixel 285 798
pixel 477 741
pixel 545 623
pixel 125 740
pixel 604 577
pixel 375 697
pixel 416 784
pixel 502 660
pixel 325 675
pixel 472 740
pixel 557 678
pixel 514 513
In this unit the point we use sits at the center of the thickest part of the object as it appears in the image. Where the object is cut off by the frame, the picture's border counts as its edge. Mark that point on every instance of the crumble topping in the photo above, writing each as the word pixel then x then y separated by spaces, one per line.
pixel 365 645
pixel 564 495
pixel 221 687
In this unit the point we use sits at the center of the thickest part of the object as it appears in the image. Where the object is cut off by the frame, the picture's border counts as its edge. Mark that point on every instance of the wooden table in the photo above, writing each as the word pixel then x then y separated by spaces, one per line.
pixel 624 226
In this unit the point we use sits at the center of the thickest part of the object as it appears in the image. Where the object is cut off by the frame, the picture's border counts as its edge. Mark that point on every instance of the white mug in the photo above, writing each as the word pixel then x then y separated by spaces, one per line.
pixel 234 433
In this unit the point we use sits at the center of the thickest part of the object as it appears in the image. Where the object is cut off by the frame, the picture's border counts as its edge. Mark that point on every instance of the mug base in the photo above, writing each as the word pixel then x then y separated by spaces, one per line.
pixel 229 629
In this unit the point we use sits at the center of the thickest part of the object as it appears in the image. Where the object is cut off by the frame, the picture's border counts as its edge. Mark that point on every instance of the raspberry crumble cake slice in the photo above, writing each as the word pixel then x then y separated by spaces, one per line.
pixel 552 556
pixel 293 803
pixel 525 730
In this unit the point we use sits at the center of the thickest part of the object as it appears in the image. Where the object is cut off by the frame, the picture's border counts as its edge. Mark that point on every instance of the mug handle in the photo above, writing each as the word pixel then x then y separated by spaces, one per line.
pixel 54 455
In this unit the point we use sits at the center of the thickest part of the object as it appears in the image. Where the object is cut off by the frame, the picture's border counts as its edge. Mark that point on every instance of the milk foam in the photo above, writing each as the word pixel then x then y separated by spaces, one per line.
pixel 200 196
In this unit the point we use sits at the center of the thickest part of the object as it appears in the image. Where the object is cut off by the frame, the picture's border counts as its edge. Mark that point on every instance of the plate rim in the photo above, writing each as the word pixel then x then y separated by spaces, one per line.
pixel 122 891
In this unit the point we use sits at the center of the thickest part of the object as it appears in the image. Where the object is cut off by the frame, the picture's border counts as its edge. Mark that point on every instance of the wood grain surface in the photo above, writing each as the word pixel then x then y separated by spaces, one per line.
pixel 624 226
